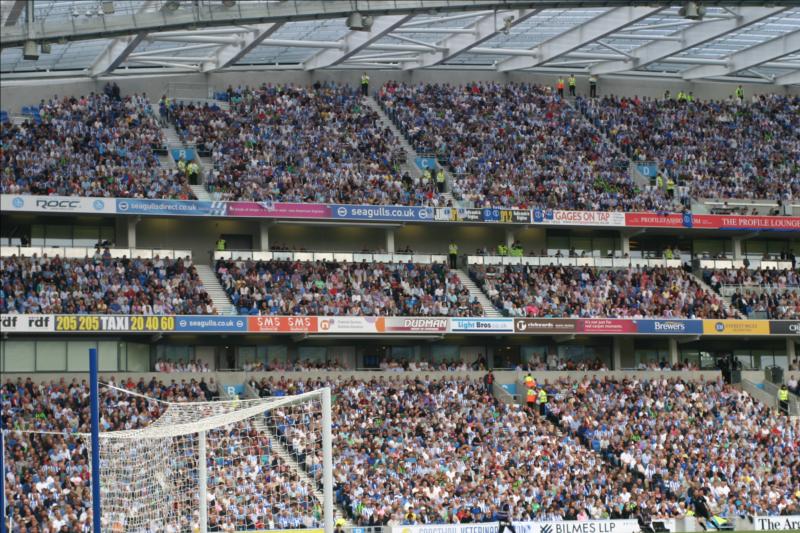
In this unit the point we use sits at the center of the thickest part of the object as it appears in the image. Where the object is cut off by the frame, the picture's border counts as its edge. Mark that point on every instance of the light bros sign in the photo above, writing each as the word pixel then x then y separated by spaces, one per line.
pixel 589 526
pixel 776 523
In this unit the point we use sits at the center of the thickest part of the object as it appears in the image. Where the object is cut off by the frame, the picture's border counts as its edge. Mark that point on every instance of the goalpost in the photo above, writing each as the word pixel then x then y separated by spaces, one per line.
pixel 222 465
pixel 268 460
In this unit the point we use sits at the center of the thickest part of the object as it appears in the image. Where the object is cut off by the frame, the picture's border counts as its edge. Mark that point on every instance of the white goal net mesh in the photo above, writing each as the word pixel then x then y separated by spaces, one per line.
pixel 257 464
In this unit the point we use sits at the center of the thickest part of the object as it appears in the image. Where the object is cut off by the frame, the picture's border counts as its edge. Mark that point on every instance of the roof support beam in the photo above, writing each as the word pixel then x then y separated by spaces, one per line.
pixel 749 57
pixel 118 50
pixel 793 78
pixel 230 54
pixel 355 41
pixel 213 14
pixel 609 22
pixel 480 31
pixel 115 54
pixel 693 36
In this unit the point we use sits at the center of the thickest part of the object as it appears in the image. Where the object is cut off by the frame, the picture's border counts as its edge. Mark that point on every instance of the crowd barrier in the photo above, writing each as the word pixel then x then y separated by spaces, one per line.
pixel 599 262
pixel 80 252
pixel 423 259
pixel 392 213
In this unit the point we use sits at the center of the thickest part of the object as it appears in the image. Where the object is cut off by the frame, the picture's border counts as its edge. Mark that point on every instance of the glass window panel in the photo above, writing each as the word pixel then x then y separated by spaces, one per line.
pixel 312 354
pixel 19 356
pixel 273 354
pixel 37 235
pixel 107 234
pixel 51 356
pixel 85 236
pixel 247 355
pixel 58 235
pixel 108 356
pixel 582 243
pixel 603 247
pixel 444 353
pixel 78 355
pixel 138 357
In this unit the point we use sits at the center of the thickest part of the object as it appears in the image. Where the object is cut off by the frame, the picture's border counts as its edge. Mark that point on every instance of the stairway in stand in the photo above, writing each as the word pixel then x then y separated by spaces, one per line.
pixel 489 310
pixel 410 165
pixel 215 290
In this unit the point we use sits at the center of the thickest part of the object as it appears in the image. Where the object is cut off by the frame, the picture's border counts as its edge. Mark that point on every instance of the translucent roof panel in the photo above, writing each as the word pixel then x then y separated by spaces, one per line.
pixel 417 39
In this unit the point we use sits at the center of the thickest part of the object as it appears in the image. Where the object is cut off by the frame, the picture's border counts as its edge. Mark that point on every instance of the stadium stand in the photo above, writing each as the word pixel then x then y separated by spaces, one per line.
pixel 295 144
pixel 333 288
pixel 727 149
pixel 676 436
pixel 516 145
pixel 772 293
pixel 560 291
pixel 414 450
pixel 92 145
pixel 101 284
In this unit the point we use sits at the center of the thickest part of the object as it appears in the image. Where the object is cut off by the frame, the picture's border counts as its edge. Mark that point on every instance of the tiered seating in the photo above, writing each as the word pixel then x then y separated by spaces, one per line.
pixel 333 288
pixel 719 149
pixel 101 285
pixel 419 450
pixel 87 146
pixel 516 145
pixel 679 436
pixel 412 451
pixel 773 293
pixel 294 144
pixel 560 291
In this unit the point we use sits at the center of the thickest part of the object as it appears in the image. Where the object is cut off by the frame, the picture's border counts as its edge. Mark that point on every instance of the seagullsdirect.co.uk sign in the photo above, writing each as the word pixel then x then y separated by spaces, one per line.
pixel 162 207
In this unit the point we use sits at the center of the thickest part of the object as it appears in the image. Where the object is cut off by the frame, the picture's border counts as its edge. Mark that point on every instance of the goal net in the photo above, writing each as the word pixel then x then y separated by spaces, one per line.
pixel 218 466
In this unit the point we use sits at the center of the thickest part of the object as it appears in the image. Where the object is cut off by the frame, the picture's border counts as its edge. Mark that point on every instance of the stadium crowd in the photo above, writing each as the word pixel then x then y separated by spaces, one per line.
pixel 727 149
pixel 673 434
pixel 775 293
pixel 301 144
pixel 516 145
pixel 333 288
pixel 48 475
pixel 96 145
pixel 560 291
pixel 101 285
pixel 419 450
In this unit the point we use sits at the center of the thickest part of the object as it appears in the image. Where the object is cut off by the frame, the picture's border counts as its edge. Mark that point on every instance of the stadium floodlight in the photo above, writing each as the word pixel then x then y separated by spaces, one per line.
pixel 228 3
pixel 46 48
pixel 358 22
pixel 30 51
pixel 692 10
pixel 108 7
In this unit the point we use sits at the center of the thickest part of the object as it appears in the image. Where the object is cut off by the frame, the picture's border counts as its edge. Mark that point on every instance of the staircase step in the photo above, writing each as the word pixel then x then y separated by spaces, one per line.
pixel 489 309
pixel 215 290
pixel 201 193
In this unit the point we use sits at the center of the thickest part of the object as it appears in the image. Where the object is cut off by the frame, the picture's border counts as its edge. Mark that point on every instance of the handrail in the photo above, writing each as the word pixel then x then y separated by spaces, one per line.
pixel 347 257
pixel 81 252
pixel 598 262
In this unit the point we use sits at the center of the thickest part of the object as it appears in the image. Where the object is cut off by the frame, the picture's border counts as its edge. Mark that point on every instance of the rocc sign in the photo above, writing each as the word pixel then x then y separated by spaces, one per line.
pixel 56 204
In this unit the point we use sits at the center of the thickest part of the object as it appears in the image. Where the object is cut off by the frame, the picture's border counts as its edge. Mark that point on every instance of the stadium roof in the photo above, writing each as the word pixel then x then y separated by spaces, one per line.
pixel 734 41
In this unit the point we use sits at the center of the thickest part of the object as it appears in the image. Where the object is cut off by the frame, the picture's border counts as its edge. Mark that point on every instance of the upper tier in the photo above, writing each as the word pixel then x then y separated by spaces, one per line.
pixel 514 145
